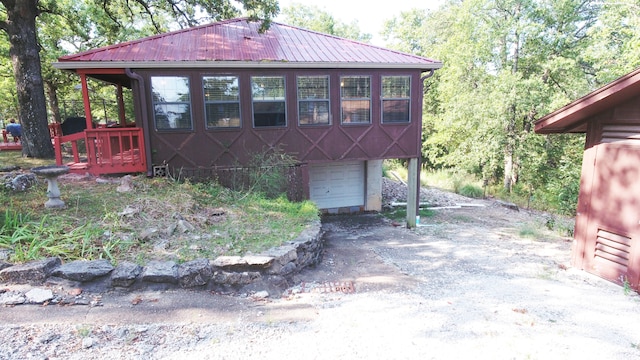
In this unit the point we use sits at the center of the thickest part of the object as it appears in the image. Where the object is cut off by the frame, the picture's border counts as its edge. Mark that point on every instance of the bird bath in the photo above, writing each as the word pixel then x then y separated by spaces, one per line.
pixel 51 173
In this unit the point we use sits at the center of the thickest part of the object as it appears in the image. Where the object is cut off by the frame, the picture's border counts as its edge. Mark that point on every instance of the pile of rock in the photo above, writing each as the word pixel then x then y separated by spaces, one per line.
pixel 16 180
pixel 396 191
pixel 269 271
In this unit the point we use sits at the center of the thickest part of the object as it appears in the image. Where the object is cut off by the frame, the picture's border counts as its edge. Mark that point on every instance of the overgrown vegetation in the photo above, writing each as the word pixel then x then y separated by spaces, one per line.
pixel 468 185
pixel 160 219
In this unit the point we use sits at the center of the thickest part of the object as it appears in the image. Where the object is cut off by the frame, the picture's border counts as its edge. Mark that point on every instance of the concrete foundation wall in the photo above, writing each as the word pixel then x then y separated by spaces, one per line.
pixel 373 187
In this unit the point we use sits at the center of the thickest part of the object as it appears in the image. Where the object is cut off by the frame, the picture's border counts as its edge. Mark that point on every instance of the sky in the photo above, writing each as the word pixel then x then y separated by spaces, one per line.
pixel 371 14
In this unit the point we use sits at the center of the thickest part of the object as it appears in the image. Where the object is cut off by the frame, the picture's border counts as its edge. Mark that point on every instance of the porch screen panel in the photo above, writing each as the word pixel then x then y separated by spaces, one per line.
pixel 355 98
pixel 396 99
pixel 171 102
pixel 269 104
pixel 313 100
pixel 221 101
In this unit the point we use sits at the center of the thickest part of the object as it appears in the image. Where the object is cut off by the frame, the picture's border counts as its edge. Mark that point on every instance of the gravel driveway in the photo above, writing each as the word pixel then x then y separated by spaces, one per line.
pixel 478 282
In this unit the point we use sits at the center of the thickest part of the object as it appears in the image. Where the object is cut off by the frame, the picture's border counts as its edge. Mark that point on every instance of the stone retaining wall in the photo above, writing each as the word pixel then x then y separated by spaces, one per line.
pixel 270 271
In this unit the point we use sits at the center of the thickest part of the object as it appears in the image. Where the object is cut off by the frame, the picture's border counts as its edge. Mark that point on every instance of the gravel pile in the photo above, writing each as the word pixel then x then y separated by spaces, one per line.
pixel 395 191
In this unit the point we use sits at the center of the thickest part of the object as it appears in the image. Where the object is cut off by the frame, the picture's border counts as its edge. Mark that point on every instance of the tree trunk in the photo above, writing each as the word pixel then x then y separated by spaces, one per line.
pixel 54 106
pixel 24 51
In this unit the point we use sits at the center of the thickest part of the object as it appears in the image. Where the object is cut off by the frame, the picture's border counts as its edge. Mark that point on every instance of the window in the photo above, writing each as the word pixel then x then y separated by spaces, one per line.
pixel 221 101
pixel 313 100
pixel 268 94
pixel 171 102
pixel 396 98
pixel 355 96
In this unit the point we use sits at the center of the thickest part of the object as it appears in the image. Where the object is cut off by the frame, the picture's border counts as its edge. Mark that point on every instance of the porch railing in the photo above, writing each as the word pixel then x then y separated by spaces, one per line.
pixel 104 151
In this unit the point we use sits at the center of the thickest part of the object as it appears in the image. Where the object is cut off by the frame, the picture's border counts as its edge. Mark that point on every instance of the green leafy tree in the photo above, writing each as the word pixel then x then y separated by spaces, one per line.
pixel 85 24
pixel 313 18
pixel 506 64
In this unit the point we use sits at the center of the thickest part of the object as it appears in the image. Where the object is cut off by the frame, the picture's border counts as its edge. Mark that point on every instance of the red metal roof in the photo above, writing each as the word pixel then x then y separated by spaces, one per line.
pixel 572 117
pixel 238 42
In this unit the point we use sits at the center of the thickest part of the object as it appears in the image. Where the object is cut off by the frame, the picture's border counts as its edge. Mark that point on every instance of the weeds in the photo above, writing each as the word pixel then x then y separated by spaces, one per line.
pixel 101 223
pixel 471 191
pixel 626 286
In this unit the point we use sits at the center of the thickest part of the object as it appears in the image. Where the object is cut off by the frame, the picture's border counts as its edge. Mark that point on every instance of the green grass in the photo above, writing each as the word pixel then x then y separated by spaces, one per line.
pixel 101 223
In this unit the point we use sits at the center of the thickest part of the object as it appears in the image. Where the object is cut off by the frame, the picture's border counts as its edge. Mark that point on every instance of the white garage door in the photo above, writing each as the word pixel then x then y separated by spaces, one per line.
pixel 338 184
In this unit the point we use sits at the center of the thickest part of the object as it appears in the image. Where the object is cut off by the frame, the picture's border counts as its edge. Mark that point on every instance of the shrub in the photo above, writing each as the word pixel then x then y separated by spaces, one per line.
pixel 471 191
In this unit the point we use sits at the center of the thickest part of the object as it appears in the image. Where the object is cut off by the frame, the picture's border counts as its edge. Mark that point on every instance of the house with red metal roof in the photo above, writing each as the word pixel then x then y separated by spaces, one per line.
pixel 607 228
pixel 208 98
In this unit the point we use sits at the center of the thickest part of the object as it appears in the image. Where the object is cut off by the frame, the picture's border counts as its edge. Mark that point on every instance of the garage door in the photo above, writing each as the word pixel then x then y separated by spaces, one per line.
pixel 337 184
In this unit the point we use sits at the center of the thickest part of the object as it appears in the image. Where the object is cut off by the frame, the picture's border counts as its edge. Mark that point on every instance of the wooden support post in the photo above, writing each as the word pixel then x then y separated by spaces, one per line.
pixel 87 102
pixel 121 111
pixel 413 192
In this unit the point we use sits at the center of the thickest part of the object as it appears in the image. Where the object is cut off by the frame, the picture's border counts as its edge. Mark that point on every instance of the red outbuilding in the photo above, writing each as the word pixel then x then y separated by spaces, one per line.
pixel 607 228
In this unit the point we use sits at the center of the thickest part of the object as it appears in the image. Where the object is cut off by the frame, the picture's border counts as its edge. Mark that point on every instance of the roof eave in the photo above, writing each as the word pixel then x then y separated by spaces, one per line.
pixel 572 115
pixel 74 65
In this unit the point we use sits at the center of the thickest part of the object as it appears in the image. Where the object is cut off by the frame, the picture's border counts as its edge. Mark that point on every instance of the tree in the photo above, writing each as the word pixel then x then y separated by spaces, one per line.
pixel 110 20
pixel 506 63
pixel 20 26
pixel 313 18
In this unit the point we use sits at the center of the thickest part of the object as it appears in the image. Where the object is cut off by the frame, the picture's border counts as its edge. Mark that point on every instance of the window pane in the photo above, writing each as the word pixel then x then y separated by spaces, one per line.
pixel 313 87
pixel 395 111
pixel 313 100
pixel 170 89
pixel 396 98
pixel 396 86
pixel 356 111
pixel 314 112
pixel 171 102
pixel 268 94
pixel 355 87
pixel 172 116
pixel 221 88
pixel 267 87
pixel 355 93
pixel 269 113
pixel 222 101
pixel 223 114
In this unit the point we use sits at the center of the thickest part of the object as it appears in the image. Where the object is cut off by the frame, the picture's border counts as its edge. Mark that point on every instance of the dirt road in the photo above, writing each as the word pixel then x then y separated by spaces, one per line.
pixel 481 282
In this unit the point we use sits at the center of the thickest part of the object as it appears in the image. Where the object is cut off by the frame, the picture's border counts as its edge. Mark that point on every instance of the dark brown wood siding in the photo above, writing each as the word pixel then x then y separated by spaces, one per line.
pixel 207 148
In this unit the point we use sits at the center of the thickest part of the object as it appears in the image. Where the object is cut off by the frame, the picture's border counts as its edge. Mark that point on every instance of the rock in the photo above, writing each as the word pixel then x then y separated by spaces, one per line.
pixel 126 184
pixel 228 261
pixel 284 254
pixel 88 342
pixel 21 182
pixel 160 271
pixel 4 264
pixel 185 226
pixel 129 211
pixel 38 296
pixel 508 205
pixel 235 278
pixel 287 269
pixel 260 295
pixel 146 234
pixel 12 298
pixel 31 272
pixel 258 260
pixel 194 273
pixel 125 274
pixel 81 270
